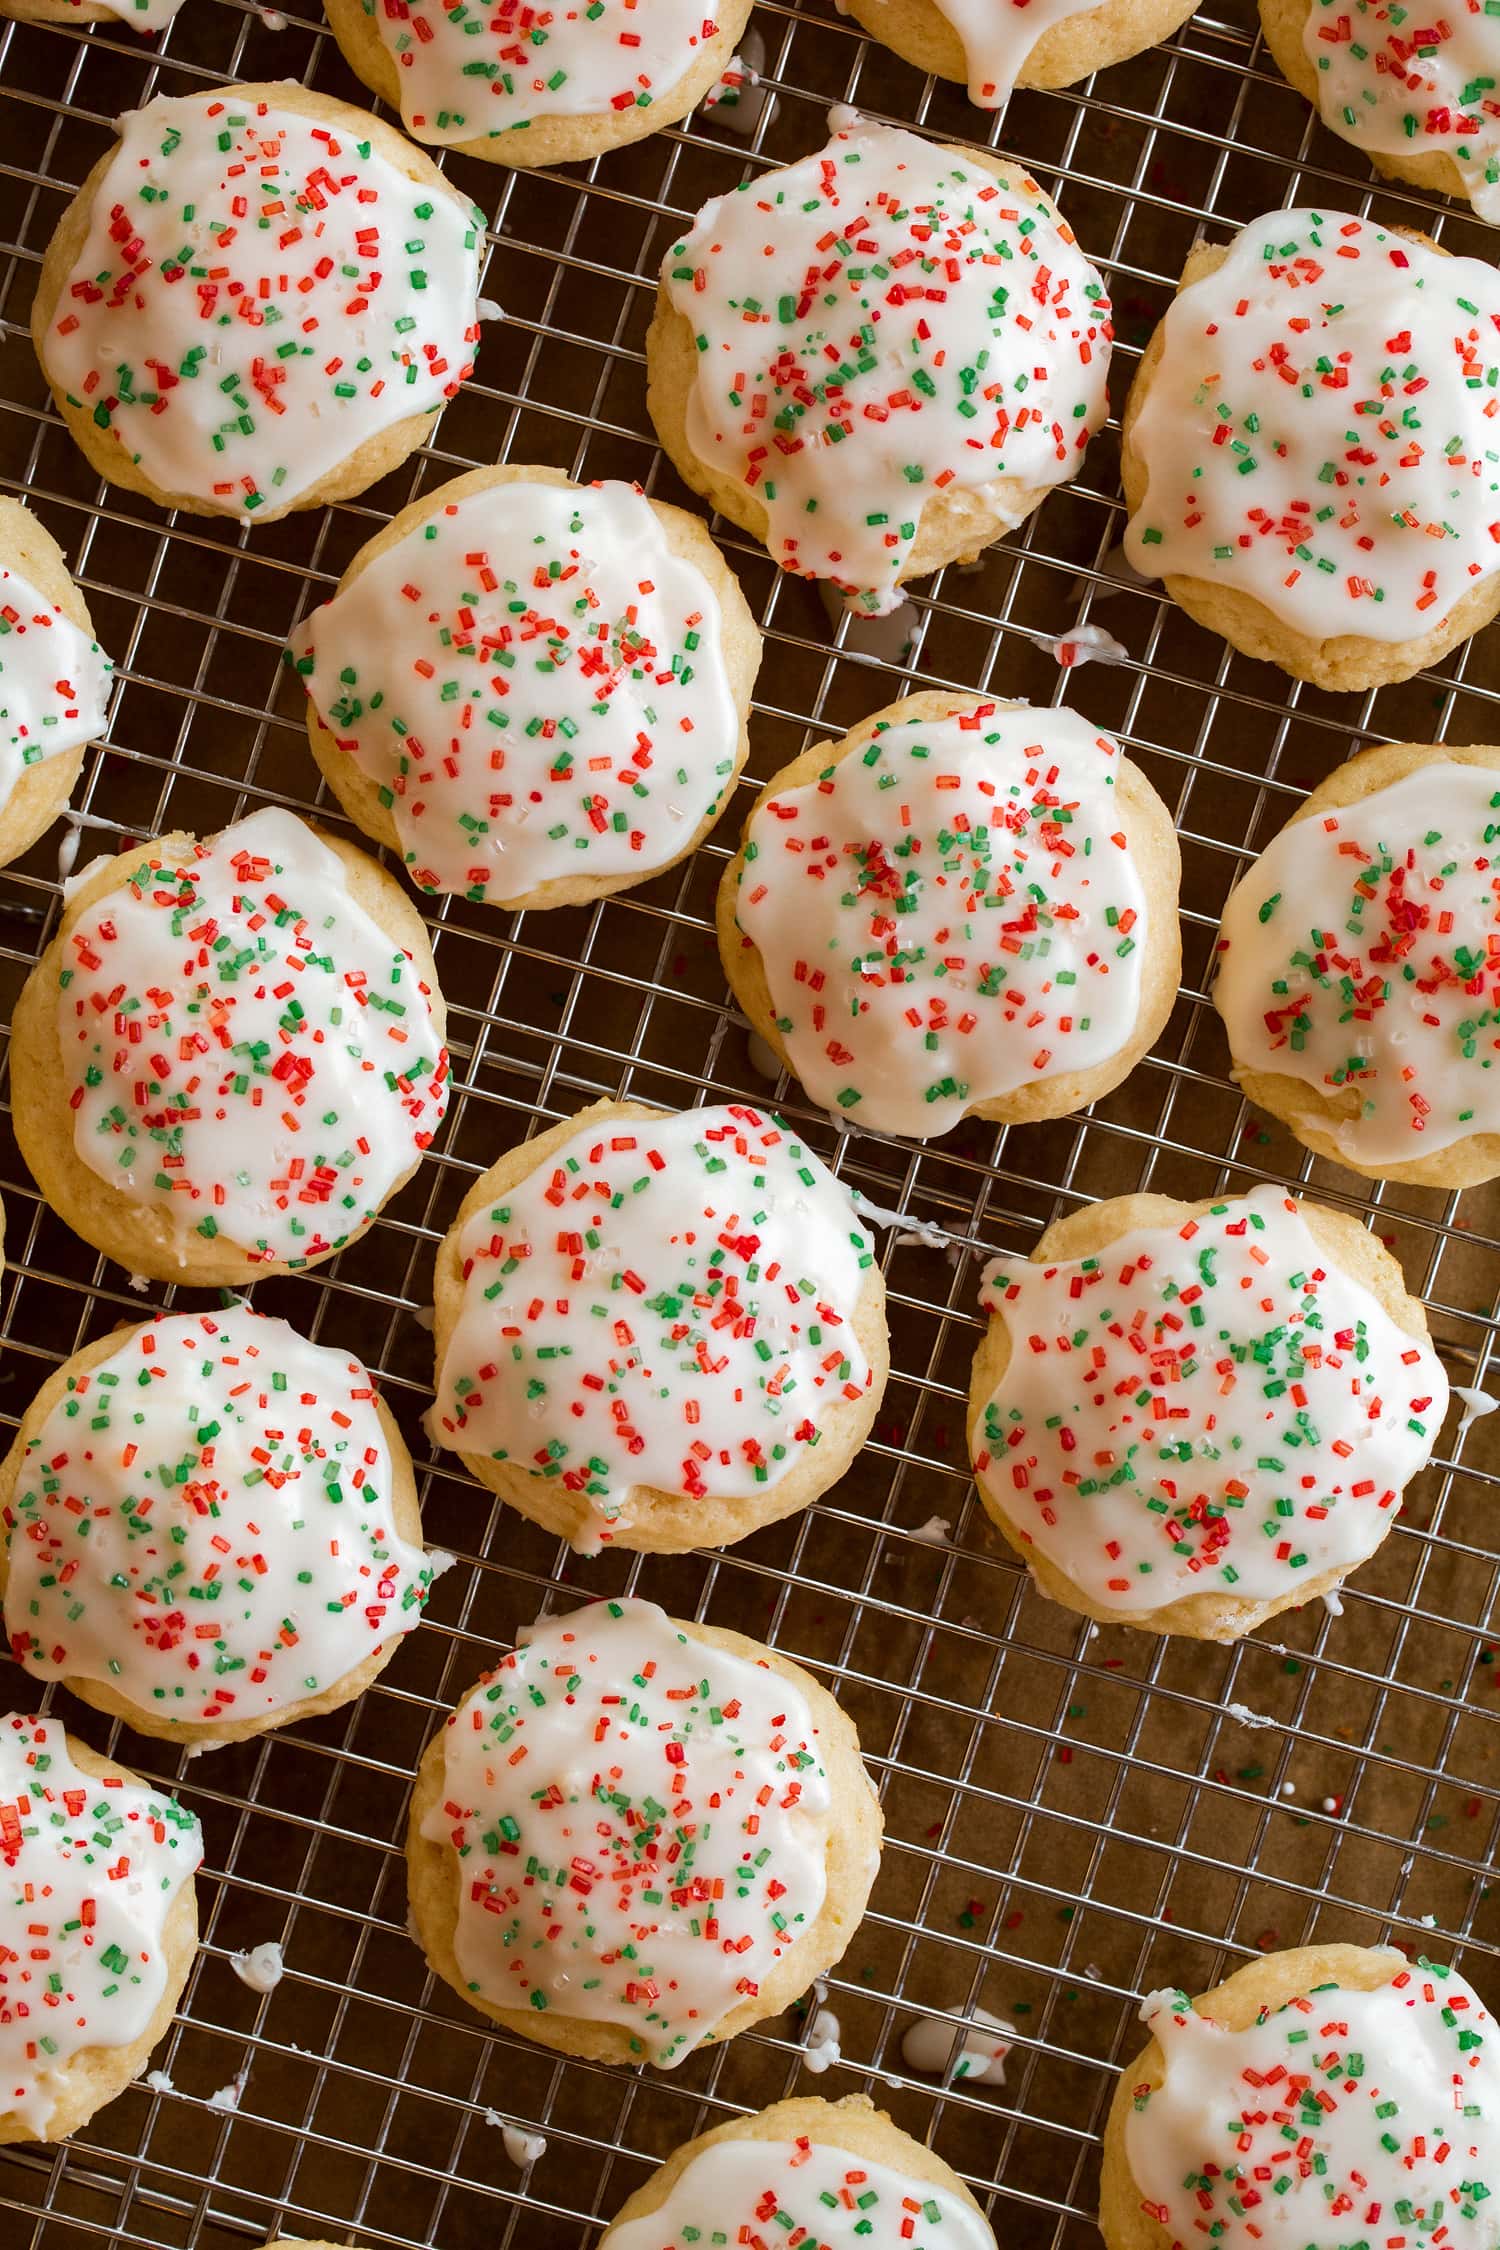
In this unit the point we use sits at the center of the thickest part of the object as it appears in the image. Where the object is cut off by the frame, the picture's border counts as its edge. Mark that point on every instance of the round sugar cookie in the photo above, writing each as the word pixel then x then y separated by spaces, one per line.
pixel 993 46
pixel 54 680
pixel 838 2173
pixel 1310 2090
pixel 1359 967
pixel 526 86
pixel 658 1329
pixel 98 1927
pixel 1415 95
pixel 1307 453
pixel 364 269
pixel 961 908
pixel 535 691
pixel 964 406
pixel 720 1831
pixel 231 1054
pixel 210 1528
pixel 1188 1417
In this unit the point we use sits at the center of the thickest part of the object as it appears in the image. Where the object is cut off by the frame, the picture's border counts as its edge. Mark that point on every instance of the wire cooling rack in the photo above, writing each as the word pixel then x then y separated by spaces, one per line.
pixel 1072 1816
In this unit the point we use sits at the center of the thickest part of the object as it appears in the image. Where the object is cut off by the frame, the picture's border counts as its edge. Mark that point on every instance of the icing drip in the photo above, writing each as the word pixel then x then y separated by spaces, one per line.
pixel 1343 2116
pixel 1320 433
pixel 682 1791
pixel 1361 955
pixel 89 1870
pixel 1401 84
pixel 878 325
pixel 998 37
pixel 474 72
pixel 947 915
pixel 258 296
pixel 203 1523
pixel 244 1048
pixel 665 1302
pixel 773 2191
pixel 1205 1408
pixel 54 681
pixel 536 683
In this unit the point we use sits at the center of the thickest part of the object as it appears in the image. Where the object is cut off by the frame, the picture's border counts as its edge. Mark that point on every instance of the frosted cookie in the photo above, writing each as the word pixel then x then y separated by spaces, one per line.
pixel 638 1836
pixel 535 691
pixel 231 1054
pixel 1332 2094
pixel 210 1528
pixel 993 46
pixel 838 2174
pixel 260 299
pixel 98 1926
pixel 136 15
pixel 658 1329
pixel 54 680
pixel 1190 1416
pixel 966 374
pixel 961 908
pixel 1416 91
pixel 524 85
pixel 1359 968
pixel 1309 448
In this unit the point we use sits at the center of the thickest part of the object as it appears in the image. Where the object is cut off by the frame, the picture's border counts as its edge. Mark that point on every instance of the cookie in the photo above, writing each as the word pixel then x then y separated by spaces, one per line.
pixel 525 86
pixel 960 408
pixel 535 691
pixel 210 1528
pixel 1188 1417
pixel 1359 968
pixel 658 1329
pixel 718 1831
pixel 363 267
pixel 1324 2094
pixel 54 681
pixel 231 1054
pixel 993 46
pixel 138 15
pixel 962 908
pixel 1308 456
pixel 98 1927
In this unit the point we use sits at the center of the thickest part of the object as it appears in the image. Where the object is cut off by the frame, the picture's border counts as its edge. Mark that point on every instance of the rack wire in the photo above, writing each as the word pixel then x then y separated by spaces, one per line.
pixel 1073 1815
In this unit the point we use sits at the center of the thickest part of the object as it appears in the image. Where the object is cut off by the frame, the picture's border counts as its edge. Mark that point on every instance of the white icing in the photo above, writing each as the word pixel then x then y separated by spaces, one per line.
pixel 1211 1407
pixel 1404 82
pixel 948 914
pixel 289 1077
pixel 89 1871
pixel 754 2191
pixel 318 306
pixel 1361 955
pixel 142 15
pixel 521 2147
pixel 204 1523
pixel 536 684
pixel 850 397
pixel 642 1823
pixel 998 37
pixel 1088 644
pixel 261 1968
pixel 973 2053
pixel 54 683
pixel 665 1302
pixel 1319 433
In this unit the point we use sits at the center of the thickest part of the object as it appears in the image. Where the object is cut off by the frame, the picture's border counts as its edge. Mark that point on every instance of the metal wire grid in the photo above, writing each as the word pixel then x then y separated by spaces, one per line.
pixel 1072 1816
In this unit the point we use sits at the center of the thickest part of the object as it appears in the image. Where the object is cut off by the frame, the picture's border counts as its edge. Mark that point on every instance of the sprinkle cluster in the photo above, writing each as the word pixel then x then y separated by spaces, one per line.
pixel 1405 82
pixel 640 1822
pixel 999 35
pixel 54 681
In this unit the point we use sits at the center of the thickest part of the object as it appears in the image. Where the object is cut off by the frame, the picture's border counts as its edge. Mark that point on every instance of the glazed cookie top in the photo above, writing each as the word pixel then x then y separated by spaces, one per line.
pixel 536 683
pixel 89 1868
pixel 665 1302
pixel 243 1046
pixel 738 2190
pixel 1204 1407
pixel 471 72
pixel 1320 433
pixel 258 295
pixel 1362 953
pixel 54 681
pixel 1401 83
pixel 998 36
pixel 880 324
pixel 203 1523
pixel 141 15
pixel 1344 2115
pixel 641 1823
pixel 948 914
